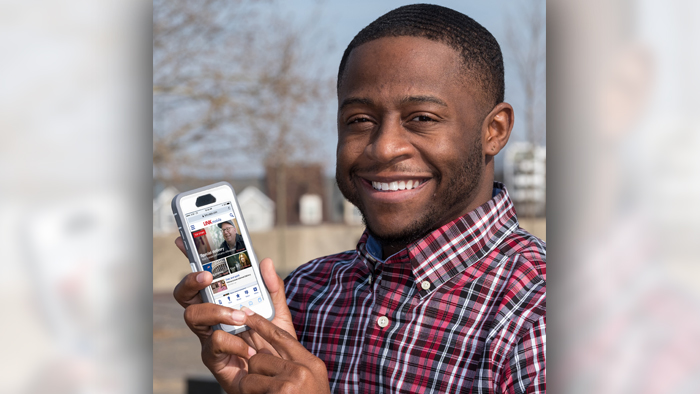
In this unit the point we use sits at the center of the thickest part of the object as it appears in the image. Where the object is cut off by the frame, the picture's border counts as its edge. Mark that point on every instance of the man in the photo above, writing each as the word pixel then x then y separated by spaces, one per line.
pixel 232 240
pixel 444 293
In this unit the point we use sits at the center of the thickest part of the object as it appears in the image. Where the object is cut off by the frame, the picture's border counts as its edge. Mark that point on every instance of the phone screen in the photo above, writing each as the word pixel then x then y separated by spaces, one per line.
pixel 222 251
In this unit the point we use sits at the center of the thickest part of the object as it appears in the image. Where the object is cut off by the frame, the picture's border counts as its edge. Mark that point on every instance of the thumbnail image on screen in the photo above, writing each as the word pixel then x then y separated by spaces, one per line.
pixel 218 241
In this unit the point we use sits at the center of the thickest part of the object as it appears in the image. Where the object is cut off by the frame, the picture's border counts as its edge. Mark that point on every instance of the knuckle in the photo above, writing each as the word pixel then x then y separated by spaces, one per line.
pixel 245 384
pixel 177 291
pixel 190 315
pixel 254 362
pixel 288 387
pixel 318 365
pixel 303 374
pixel 279 334
pixel 217 340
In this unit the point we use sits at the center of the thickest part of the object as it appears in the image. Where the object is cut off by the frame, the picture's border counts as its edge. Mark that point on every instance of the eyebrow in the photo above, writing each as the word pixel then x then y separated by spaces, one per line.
pixel 423 99
pixel 355 100
pixel 405 100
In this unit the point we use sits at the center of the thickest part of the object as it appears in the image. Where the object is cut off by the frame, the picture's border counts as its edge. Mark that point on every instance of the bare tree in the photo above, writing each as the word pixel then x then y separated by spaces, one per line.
pixel 232 85
pixel 526 47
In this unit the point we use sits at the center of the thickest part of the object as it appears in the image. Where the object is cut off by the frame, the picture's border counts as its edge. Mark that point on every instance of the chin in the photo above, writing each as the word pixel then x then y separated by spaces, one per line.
pixel 404 233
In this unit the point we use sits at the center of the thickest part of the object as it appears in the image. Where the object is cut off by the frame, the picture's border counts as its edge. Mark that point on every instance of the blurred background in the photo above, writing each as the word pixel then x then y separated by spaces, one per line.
pixel 243 91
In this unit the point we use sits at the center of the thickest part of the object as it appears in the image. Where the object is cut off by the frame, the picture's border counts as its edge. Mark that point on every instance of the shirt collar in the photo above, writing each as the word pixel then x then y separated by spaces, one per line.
pixel 449 250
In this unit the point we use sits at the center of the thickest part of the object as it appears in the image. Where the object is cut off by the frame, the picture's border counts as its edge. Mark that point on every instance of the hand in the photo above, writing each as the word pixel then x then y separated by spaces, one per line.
pixel 224 354
pixel 294 371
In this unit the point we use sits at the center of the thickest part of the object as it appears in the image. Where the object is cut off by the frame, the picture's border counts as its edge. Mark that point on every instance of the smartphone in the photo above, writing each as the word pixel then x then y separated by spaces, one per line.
pixel 217 240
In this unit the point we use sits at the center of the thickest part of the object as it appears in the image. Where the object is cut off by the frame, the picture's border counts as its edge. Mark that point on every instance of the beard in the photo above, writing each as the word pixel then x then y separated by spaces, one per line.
pixel 459 188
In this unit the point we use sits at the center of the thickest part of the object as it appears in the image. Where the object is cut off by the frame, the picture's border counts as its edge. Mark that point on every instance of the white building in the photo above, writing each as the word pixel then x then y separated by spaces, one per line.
pixel 258 209
pixel 163 219
pixel 310 209
pixel 525 176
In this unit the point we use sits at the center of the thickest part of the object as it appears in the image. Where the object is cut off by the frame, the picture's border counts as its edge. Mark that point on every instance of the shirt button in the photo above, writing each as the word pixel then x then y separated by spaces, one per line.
pixel 425 285
pixel 383 321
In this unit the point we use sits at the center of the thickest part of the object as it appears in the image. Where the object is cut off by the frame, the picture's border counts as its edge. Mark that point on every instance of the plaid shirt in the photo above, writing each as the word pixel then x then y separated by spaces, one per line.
pixel 460 310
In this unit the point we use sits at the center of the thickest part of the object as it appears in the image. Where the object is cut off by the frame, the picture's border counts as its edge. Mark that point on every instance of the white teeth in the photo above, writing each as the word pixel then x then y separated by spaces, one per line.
pixel 396 185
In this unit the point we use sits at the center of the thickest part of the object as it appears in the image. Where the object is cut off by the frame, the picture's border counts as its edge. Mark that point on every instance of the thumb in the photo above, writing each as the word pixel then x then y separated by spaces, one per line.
pixel 275 285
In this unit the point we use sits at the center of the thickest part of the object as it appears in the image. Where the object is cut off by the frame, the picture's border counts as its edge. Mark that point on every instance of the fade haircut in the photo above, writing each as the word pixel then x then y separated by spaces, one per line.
pixel 480 52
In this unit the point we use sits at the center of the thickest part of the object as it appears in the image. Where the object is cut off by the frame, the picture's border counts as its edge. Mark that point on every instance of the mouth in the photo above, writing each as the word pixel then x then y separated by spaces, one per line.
pixel 393 189
pixel 394 186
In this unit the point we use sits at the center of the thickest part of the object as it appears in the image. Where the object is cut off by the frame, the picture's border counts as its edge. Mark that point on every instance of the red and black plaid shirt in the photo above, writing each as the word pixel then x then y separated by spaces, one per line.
pixel 461 310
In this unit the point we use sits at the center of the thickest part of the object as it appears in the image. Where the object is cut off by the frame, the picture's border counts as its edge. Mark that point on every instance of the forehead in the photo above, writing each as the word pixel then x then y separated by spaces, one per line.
pixel 226 225
pixel 408 62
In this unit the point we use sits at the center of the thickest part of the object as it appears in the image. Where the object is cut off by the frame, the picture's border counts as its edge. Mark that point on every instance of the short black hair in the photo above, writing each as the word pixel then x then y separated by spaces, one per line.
pixel 481 54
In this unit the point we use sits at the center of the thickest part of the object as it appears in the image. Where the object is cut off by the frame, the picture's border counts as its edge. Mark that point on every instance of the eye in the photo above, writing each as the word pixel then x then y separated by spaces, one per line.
pixel 423 118
pixel 359 119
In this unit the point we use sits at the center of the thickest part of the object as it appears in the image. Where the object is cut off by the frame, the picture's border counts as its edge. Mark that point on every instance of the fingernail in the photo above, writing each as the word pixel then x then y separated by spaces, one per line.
pixel 200 278
pixel 238 318
pixel 247 311
pixel 251 352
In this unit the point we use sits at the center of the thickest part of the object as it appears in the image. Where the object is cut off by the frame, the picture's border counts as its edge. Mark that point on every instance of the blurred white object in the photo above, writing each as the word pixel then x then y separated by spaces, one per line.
pixel 257 208
pixel 310 209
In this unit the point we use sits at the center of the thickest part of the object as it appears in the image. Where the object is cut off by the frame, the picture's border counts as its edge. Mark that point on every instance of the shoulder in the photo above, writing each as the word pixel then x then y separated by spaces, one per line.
pixel 521 272
pixel 526 251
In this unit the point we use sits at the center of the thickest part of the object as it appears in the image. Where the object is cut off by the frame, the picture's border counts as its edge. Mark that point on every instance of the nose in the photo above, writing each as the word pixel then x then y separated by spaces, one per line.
pixel 390 143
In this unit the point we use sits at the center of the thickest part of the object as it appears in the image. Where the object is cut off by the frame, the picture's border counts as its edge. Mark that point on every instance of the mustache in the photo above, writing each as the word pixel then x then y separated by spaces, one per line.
pixel 397 167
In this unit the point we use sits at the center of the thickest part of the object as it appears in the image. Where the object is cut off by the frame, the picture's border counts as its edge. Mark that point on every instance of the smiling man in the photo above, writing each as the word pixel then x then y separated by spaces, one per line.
pixel 232 240
pixel 445 292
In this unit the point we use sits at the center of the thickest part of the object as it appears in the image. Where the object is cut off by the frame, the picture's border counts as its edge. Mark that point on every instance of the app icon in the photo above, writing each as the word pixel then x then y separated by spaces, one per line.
pixel 259 299
pixel 255 289
pixel 220 302
pixel 246 291
pixel 238 295
pixel 250 302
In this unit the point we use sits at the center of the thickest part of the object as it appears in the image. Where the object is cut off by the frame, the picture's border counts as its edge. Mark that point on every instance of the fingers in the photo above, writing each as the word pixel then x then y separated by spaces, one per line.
pixel 273 282
pixel 201 317
pixel 220 346
pixel 266 364
pixel 275 285
pixel 284 343
pixel 258 384
pixel 267 373
pixel 181 245
pixel 187 291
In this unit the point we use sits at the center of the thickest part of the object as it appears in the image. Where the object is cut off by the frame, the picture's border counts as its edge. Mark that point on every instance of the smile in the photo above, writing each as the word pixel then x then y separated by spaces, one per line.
pixel 396 185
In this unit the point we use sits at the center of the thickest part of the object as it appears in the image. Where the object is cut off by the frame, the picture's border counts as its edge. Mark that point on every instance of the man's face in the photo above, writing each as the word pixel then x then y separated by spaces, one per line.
pixel 229 232
pixel 409 122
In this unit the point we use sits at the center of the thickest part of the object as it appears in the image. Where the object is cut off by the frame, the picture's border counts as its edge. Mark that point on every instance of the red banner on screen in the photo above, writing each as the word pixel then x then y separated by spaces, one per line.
pixel 198 233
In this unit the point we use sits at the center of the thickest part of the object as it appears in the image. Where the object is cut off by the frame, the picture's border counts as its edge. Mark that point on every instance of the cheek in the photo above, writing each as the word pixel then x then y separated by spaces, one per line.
pixel 349 151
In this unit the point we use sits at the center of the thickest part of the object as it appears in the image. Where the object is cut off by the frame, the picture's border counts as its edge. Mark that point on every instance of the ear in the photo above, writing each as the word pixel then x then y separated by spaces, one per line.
pixel 496 128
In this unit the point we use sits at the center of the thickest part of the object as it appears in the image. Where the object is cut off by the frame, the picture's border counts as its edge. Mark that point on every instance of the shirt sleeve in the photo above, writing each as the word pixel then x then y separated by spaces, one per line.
pixel 525 372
